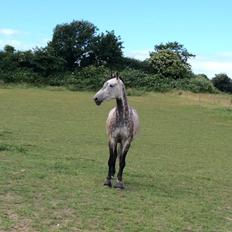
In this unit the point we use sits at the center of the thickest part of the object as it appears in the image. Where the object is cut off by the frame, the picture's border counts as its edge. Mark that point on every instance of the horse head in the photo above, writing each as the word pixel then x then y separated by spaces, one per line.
pixel 112 89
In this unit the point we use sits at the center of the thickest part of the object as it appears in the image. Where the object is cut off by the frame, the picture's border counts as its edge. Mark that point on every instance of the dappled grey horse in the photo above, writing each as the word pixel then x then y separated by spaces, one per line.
pixel 122 125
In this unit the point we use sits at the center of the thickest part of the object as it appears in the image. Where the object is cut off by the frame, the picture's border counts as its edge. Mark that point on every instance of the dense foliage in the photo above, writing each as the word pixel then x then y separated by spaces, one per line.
pixel 79 57
pixel 71 41
pixel 222 82
pixel 170 60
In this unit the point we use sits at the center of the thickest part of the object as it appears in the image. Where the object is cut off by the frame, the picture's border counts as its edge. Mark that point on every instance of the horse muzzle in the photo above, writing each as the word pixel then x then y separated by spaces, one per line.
pixel 97 101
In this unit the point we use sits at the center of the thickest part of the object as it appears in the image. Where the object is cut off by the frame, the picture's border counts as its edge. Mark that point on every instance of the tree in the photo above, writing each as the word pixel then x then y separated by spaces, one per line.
pixel 222 82
pixel 128 62
pixel 71 40
pixel 168 64
pixel 202 75
pixel 171 60
pixel 46 63
pixel 9 49
pixel 108 49
pixel 177 48
pixel 8 58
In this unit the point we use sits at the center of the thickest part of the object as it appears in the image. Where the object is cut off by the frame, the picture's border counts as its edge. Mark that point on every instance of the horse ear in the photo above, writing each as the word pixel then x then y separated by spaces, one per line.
pixel 114 75
pixel 117 76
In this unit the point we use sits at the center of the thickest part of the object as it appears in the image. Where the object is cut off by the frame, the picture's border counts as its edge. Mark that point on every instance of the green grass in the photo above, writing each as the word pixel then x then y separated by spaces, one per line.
pixel 53 162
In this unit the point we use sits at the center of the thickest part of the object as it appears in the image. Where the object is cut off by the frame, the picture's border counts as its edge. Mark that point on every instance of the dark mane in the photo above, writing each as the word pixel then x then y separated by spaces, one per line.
pixel 116 75
pixel 122 80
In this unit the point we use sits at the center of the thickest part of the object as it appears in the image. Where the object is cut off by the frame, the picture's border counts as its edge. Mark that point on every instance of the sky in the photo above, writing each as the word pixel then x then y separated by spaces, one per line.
pixel 204 27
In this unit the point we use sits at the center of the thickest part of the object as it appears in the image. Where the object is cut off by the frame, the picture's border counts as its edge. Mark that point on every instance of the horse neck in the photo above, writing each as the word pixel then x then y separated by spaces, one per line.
pixel 122 106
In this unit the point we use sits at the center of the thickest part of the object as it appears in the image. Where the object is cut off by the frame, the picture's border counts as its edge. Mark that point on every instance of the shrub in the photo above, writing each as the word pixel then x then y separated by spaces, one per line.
pixel 20 76
pixel 88 78
pixel 140 80
pixel 92 78
pixel 136 64
pixel 196 85
pixel 222 82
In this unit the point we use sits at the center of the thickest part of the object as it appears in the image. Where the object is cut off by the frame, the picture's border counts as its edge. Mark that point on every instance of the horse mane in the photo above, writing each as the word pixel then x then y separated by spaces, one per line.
pixel 116 75
pixel 122 80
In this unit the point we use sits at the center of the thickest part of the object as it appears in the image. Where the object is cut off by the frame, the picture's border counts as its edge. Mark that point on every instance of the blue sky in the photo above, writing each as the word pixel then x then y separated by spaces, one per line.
pixel 202 26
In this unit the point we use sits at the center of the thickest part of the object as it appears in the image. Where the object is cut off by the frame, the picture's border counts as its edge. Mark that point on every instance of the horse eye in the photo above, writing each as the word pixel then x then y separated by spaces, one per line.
pixel 111 86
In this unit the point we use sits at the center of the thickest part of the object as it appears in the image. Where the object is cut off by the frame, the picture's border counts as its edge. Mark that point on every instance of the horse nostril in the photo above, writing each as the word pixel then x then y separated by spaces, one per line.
pixel 97 101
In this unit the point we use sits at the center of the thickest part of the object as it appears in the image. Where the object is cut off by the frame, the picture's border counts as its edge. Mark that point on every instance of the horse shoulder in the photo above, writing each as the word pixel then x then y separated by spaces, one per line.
pixel 110 119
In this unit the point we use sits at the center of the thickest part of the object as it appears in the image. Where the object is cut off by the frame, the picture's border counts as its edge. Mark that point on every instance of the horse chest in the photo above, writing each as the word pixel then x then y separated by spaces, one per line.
pixel 118 126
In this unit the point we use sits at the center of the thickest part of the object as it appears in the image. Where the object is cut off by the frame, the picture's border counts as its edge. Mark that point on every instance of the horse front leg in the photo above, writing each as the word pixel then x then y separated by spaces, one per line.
pixel 111 163
pixel 122 163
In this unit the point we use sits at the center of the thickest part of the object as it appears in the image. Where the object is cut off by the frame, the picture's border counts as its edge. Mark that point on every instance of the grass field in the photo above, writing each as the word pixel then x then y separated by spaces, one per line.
pixel 53 162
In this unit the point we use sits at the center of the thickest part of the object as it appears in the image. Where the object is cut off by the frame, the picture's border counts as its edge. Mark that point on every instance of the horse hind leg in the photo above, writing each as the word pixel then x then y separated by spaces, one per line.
pixel 111 163
pixel 122 163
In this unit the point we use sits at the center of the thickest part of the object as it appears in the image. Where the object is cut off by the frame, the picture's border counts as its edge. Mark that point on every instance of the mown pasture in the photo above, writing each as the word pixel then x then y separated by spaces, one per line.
pixel 53 162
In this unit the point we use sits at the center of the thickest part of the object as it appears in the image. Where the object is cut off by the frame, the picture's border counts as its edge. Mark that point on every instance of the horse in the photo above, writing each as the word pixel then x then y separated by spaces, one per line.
pixel 122 125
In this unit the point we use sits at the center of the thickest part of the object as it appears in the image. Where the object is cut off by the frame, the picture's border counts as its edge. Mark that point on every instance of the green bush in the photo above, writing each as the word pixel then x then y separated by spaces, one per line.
pixel 140 80
pixel 20 76
pixel 222 82
pixel 132 63
pixel 58 79
pixel 92 78
pixel 196 85
pixel 88 78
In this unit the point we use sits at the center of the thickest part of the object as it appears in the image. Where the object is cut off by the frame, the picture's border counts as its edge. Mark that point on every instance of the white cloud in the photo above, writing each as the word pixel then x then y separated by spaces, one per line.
pixel 20 45
pixel 213 64
pixel 8 31
pixel 14 43
pixel 139 54
pixel 20 40
pixel 226 55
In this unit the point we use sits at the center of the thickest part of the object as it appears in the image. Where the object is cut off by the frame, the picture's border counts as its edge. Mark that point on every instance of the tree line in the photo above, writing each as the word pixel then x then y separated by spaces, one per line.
pixel 80 57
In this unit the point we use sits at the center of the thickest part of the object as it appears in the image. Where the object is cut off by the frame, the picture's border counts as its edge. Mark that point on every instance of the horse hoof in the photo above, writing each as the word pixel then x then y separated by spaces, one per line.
pixel 119 185
pixel 108 183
